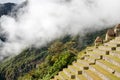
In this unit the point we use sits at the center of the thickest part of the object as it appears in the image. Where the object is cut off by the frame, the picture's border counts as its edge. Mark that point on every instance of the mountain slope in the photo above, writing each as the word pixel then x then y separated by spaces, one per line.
pixel 6 8
pixel 35 63
pixel 97 63
pixel 51 65
pixel 46 58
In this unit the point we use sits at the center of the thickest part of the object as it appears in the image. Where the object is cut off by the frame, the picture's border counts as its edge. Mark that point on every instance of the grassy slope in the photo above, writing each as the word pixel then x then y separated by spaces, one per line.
pixel 44 63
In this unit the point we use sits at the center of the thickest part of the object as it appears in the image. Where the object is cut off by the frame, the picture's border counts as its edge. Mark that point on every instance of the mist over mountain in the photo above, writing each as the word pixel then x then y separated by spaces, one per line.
pixel 42 21
pixel 6 8
pixel 50 32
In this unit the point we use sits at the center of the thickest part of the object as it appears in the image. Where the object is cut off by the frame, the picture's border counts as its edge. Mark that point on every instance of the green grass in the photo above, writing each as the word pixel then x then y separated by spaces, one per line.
pixel 85 62
pixel 63 75
pixel 50 60
pixel 74 69
pixel 118 52
pixel 97 67
pixel 57 77
pixel 81 77
pixel 113 58
pixel 106 73
pixel 116 68
pixel 69 72
pixel 93 75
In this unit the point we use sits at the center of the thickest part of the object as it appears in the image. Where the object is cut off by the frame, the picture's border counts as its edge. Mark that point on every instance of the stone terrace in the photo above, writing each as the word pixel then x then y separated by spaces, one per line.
pixel 101 63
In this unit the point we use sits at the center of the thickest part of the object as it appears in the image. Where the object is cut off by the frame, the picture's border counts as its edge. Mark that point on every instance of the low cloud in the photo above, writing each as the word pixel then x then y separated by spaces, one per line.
pixel 42 21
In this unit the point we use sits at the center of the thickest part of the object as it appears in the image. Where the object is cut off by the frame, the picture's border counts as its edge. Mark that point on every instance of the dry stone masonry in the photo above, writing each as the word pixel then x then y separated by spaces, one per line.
pixel 99 63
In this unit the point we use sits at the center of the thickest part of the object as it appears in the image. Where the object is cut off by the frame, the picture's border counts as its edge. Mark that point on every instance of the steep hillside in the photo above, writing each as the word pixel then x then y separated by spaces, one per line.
pixel 101 62
pixel 43 63
pixel 47 61
pixel 6 8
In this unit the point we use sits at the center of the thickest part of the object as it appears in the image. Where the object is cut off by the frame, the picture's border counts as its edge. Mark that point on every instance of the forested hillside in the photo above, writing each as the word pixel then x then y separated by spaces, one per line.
pixel 45 62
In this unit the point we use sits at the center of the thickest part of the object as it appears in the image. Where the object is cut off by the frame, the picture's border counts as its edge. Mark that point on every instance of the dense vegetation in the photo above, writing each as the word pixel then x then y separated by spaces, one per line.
pixel 30 58
pixel 59 57
pixel 44 63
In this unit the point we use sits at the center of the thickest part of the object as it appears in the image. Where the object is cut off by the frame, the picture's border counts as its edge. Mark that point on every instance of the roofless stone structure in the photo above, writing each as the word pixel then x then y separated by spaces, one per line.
pixel 110 34
pixel 98 41
pixel 102 63
pixel 117 30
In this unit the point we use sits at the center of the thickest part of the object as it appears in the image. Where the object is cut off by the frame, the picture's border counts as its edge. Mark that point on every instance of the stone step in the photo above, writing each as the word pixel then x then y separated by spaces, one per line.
pixel 107 48
pixel 80 77
pixel 85 62
pixel 91 75
pixel 54 79
pixel 117 38
pixel 57 77
pixel 115 53
pixel 105 66
pixel 112 59
pixel 87 73
pixel 104 74
pixel 114 41
pixel 110 44
pixel 81 66
pixel 92 59
pixel 63 76
pixel 94 55
pixel 109 67
pixel 69 73
pixel 101 51
pixel 88 58
pixel 118 49
pixel 75 70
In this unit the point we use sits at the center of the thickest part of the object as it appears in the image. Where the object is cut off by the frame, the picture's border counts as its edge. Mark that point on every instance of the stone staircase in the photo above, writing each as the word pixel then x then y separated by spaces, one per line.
pixel 101 63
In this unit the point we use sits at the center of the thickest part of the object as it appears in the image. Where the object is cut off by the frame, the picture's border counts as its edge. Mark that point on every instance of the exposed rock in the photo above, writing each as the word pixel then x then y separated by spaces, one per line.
pixel 98 41
pixel 117 30
pixel 110 34
pixel 104 59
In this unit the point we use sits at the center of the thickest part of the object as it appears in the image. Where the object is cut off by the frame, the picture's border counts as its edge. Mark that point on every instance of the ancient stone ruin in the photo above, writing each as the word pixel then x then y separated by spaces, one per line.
pixel 98 41
pixel 110 34
pixel 117 30
pixel 102 63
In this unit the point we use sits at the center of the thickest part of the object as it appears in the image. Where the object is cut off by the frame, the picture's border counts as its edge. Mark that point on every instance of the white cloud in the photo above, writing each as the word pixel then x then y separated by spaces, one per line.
pixel 46 20
pixel 14 1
